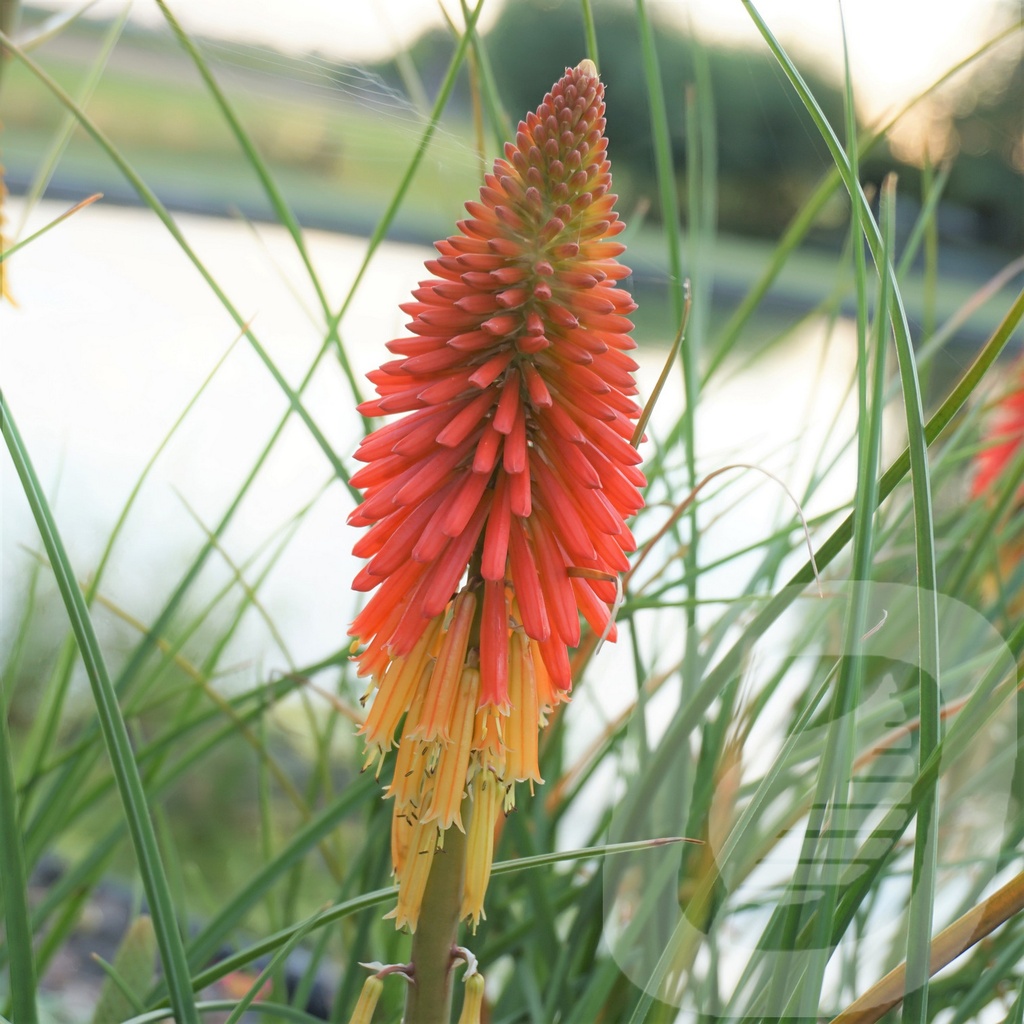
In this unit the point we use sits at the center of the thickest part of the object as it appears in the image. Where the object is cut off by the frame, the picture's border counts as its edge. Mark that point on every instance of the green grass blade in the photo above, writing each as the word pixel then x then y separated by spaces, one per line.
pixel 833 788
pixel 12 249
pixel 51 27
pixel 270 187
pixel 19 644
pixel 590 32
pixel 14 888
pixel 115 733
pixel 275 1012
pixel 445 91
pixel 116 991
pixel 163 619
pixel 702 200
pixel 378 896
pixel 999 970
pixel 52 157
pixel 731 660
pixel 815 204
pixel 702 208
pixel 990 694
pixel 44 728
pixel 1016 1015
pixel 664 168
pixel 927 583
pixel 485 89
pixel 54 811
pixel 149 197
pixel 922 901
pixel 277 201
pixel 931 244
pixel 235 909
pixel 84 874
pixel 276 961
pixel 923 230
pixel 130 975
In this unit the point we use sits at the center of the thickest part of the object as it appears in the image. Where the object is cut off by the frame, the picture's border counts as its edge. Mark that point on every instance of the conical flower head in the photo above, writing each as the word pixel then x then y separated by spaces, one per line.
pixel 517 391
pixel 496 503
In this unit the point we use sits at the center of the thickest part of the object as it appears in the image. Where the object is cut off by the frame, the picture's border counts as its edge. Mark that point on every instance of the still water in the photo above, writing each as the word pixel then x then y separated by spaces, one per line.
pixel 116 331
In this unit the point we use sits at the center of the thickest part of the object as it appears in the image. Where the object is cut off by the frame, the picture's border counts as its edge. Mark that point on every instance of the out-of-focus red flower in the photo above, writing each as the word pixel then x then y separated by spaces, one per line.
pixel 5 292
pixel 1004 437
pixel 496 503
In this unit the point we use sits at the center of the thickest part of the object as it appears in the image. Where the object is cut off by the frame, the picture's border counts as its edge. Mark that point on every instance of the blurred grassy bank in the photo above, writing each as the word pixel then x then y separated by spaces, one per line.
pixel 338 140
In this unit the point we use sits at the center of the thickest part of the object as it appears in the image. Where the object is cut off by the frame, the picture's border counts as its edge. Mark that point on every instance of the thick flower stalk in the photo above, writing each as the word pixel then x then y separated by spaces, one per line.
pixel 496 503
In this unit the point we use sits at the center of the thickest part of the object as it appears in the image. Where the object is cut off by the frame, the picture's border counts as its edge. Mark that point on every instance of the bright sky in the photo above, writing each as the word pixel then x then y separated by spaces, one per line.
pixel 897 47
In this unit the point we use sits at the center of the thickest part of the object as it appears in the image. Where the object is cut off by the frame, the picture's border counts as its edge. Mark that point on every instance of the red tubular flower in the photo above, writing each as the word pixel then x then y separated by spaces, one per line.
pixel 1004 438
pixel 496 504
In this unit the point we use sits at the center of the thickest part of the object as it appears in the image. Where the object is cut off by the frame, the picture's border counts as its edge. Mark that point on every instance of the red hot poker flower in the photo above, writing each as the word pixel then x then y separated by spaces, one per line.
pixel 496 502
pixel 1005 436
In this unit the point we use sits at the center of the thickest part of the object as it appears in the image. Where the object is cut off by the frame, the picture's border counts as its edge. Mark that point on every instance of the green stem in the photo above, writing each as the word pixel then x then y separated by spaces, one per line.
pixel 9 11
pixel 430 994
pixel 115 734
pixel 14 889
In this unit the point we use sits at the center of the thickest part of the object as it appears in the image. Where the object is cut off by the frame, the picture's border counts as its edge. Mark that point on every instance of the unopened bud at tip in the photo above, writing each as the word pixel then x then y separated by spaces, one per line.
pixel 587 67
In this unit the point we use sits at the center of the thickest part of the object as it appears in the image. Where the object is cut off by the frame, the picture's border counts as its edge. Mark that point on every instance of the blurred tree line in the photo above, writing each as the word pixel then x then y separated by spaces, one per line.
pixel 987 136
pixel 769 155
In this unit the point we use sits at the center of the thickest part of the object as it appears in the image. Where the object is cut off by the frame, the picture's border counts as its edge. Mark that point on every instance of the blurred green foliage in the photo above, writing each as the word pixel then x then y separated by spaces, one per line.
pixel 332 146
pixel 769 156
pixel 253 781
pixel 987 175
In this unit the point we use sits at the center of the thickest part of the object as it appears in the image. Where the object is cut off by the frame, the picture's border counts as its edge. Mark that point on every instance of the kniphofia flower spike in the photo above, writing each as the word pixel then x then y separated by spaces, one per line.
pixel 496 502
pixel 1004 442
pixel 1004 437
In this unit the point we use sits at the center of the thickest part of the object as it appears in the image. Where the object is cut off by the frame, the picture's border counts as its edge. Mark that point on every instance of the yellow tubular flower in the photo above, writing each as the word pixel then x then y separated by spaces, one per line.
pixel 410 763
pixel 473 1001
pixel 402 827
pixel 453 764
pixel 432 721
pixel 367 1002
pixel 397 690
pixel 413 879
pixel 487 795
pixel 524 717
